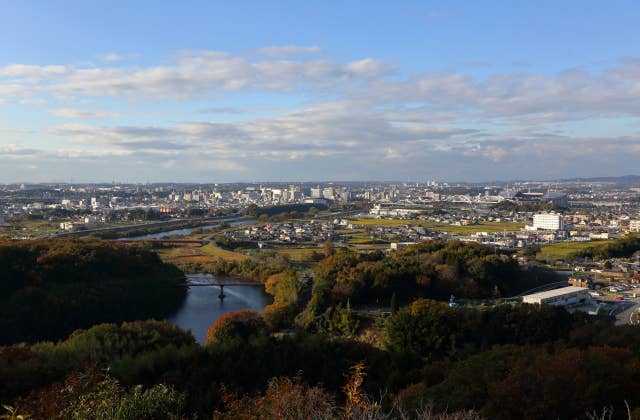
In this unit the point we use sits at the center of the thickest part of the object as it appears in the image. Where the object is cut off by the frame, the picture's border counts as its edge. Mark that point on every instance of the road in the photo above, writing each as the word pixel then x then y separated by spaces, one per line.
pixel 625 311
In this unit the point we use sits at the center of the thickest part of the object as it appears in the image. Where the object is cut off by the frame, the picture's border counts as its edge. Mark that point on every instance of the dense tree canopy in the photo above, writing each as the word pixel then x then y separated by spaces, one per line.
pixel 48 288
pixel 624 247
pixel 432 269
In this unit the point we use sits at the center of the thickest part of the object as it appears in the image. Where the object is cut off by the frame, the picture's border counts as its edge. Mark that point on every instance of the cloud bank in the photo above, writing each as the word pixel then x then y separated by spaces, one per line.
pixel 355 119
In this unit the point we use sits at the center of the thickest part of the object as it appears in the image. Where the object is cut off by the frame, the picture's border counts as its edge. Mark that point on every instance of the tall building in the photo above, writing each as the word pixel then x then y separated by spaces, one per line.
pixel 328 193
pixel 634 226
pixel 548 221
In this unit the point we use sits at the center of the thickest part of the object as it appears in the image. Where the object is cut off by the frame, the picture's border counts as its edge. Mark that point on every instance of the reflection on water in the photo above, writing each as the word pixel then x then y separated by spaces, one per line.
pixel 202 306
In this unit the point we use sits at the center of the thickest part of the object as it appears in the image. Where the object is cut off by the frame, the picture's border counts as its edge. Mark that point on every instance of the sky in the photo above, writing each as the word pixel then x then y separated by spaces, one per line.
pixel 243 91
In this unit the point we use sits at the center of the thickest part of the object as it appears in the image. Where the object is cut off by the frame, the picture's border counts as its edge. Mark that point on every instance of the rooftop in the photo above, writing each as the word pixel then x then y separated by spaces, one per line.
pixel 555 292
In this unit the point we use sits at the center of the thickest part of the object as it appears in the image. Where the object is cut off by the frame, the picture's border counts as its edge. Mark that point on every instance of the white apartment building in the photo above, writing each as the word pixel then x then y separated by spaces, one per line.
pixel 634 226
pixel 328 193
pixel 547 221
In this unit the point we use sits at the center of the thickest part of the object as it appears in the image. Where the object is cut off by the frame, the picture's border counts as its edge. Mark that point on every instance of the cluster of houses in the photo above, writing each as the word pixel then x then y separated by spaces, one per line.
pixel 403 233
pixel 286 232
pixel 612 271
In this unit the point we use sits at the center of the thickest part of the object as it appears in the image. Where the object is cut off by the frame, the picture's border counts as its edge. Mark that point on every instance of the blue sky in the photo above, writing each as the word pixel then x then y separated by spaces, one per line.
pixel 232 91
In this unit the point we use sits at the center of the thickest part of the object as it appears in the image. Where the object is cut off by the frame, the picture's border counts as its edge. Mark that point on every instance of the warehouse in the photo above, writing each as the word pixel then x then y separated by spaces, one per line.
pixel 564 296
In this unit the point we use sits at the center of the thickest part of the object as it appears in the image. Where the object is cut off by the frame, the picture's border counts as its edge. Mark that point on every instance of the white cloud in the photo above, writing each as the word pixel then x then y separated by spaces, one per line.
pixel 72 113
pixel 31 71
pixel 357 117
pixel 193 74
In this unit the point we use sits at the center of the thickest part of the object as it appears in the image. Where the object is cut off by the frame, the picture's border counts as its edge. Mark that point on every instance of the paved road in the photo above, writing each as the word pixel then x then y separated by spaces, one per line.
pixel 625 311
pixel 627 314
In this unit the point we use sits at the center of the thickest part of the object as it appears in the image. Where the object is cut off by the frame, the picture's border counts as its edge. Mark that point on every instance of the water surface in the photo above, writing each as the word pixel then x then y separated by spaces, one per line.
pixel 202 306
pixel 187 231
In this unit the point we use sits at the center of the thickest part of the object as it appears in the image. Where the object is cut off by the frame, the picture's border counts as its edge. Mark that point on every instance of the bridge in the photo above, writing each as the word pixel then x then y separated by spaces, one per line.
pixel 221 283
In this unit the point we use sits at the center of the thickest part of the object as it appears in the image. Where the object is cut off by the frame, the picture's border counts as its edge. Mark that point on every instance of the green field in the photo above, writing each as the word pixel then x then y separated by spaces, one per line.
pixel 33 228
pixel 299 254
pixel 560 250
pixel 490 227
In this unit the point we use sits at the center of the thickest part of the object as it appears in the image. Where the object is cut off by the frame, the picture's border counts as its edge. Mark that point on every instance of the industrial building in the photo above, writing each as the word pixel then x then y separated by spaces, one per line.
pixel 560 297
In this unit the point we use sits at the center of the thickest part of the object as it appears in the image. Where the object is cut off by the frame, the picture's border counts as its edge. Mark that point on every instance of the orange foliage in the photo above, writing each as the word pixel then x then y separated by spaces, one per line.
pixel 272 283
pixel 246 317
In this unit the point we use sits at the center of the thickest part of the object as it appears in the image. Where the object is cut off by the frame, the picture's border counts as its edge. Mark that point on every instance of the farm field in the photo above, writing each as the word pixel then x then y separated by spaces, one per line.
pixel 202 254
pixel 560 250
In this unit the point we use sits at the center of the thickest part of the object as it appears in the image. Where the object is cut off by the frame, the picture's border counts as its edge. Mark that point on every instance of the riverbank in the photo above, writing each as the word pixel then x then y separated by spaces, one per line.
pixel 145 230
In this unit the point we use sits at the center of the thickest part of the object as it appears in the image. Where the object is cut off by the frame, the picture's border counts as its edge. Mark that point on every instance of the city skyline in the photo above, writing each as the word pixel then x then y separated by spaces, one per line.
pixel 212 92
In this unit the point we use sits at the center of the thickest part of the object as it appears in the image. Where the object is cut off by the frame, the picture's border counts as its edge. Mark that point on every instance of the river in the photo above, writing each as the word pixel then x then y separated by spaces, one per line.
pixel 186 231
pixel 202 306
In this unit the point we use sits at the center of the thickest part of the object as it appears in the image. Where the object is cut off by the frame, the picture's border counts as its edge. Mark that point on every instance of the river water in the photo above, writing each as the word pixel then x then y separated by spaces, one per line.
pixel 186 231
pixel 202 306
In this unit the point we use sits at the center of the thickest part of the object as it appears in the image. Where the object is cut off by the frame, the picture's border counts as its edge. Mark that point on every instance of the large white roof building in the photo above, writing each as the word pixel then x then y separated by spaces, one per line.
pixel 563 296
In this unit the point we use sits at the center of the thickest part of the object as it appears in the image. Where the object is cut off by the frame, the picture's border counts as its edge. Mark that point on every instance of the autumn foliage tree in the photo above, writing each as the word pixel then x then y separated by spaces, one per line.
pixel 236 327
pixel 284 287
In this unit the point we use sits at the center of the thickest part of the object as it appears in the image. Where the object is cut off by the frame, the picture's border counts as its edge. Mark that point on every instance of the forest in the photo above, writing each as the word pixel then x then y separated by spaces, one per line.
pixel 50 288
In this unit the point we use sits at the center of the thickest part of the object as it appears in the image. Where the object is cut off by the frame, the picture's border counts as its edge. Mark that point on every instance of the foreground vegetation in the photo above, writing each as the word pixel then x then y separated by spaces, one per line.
pixel 304 356
pixel 514 361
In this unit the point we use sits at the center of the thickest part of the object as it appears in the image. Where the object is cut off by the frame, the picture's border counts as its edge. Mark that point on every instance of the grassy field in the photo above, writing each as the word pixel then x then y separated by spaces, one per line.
pixel 33 228
pixel 560 250
pixel 370 247
pixel 299 254
pixel 386 222
pixel 201 254
pixel 489 227
pixel 355 236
